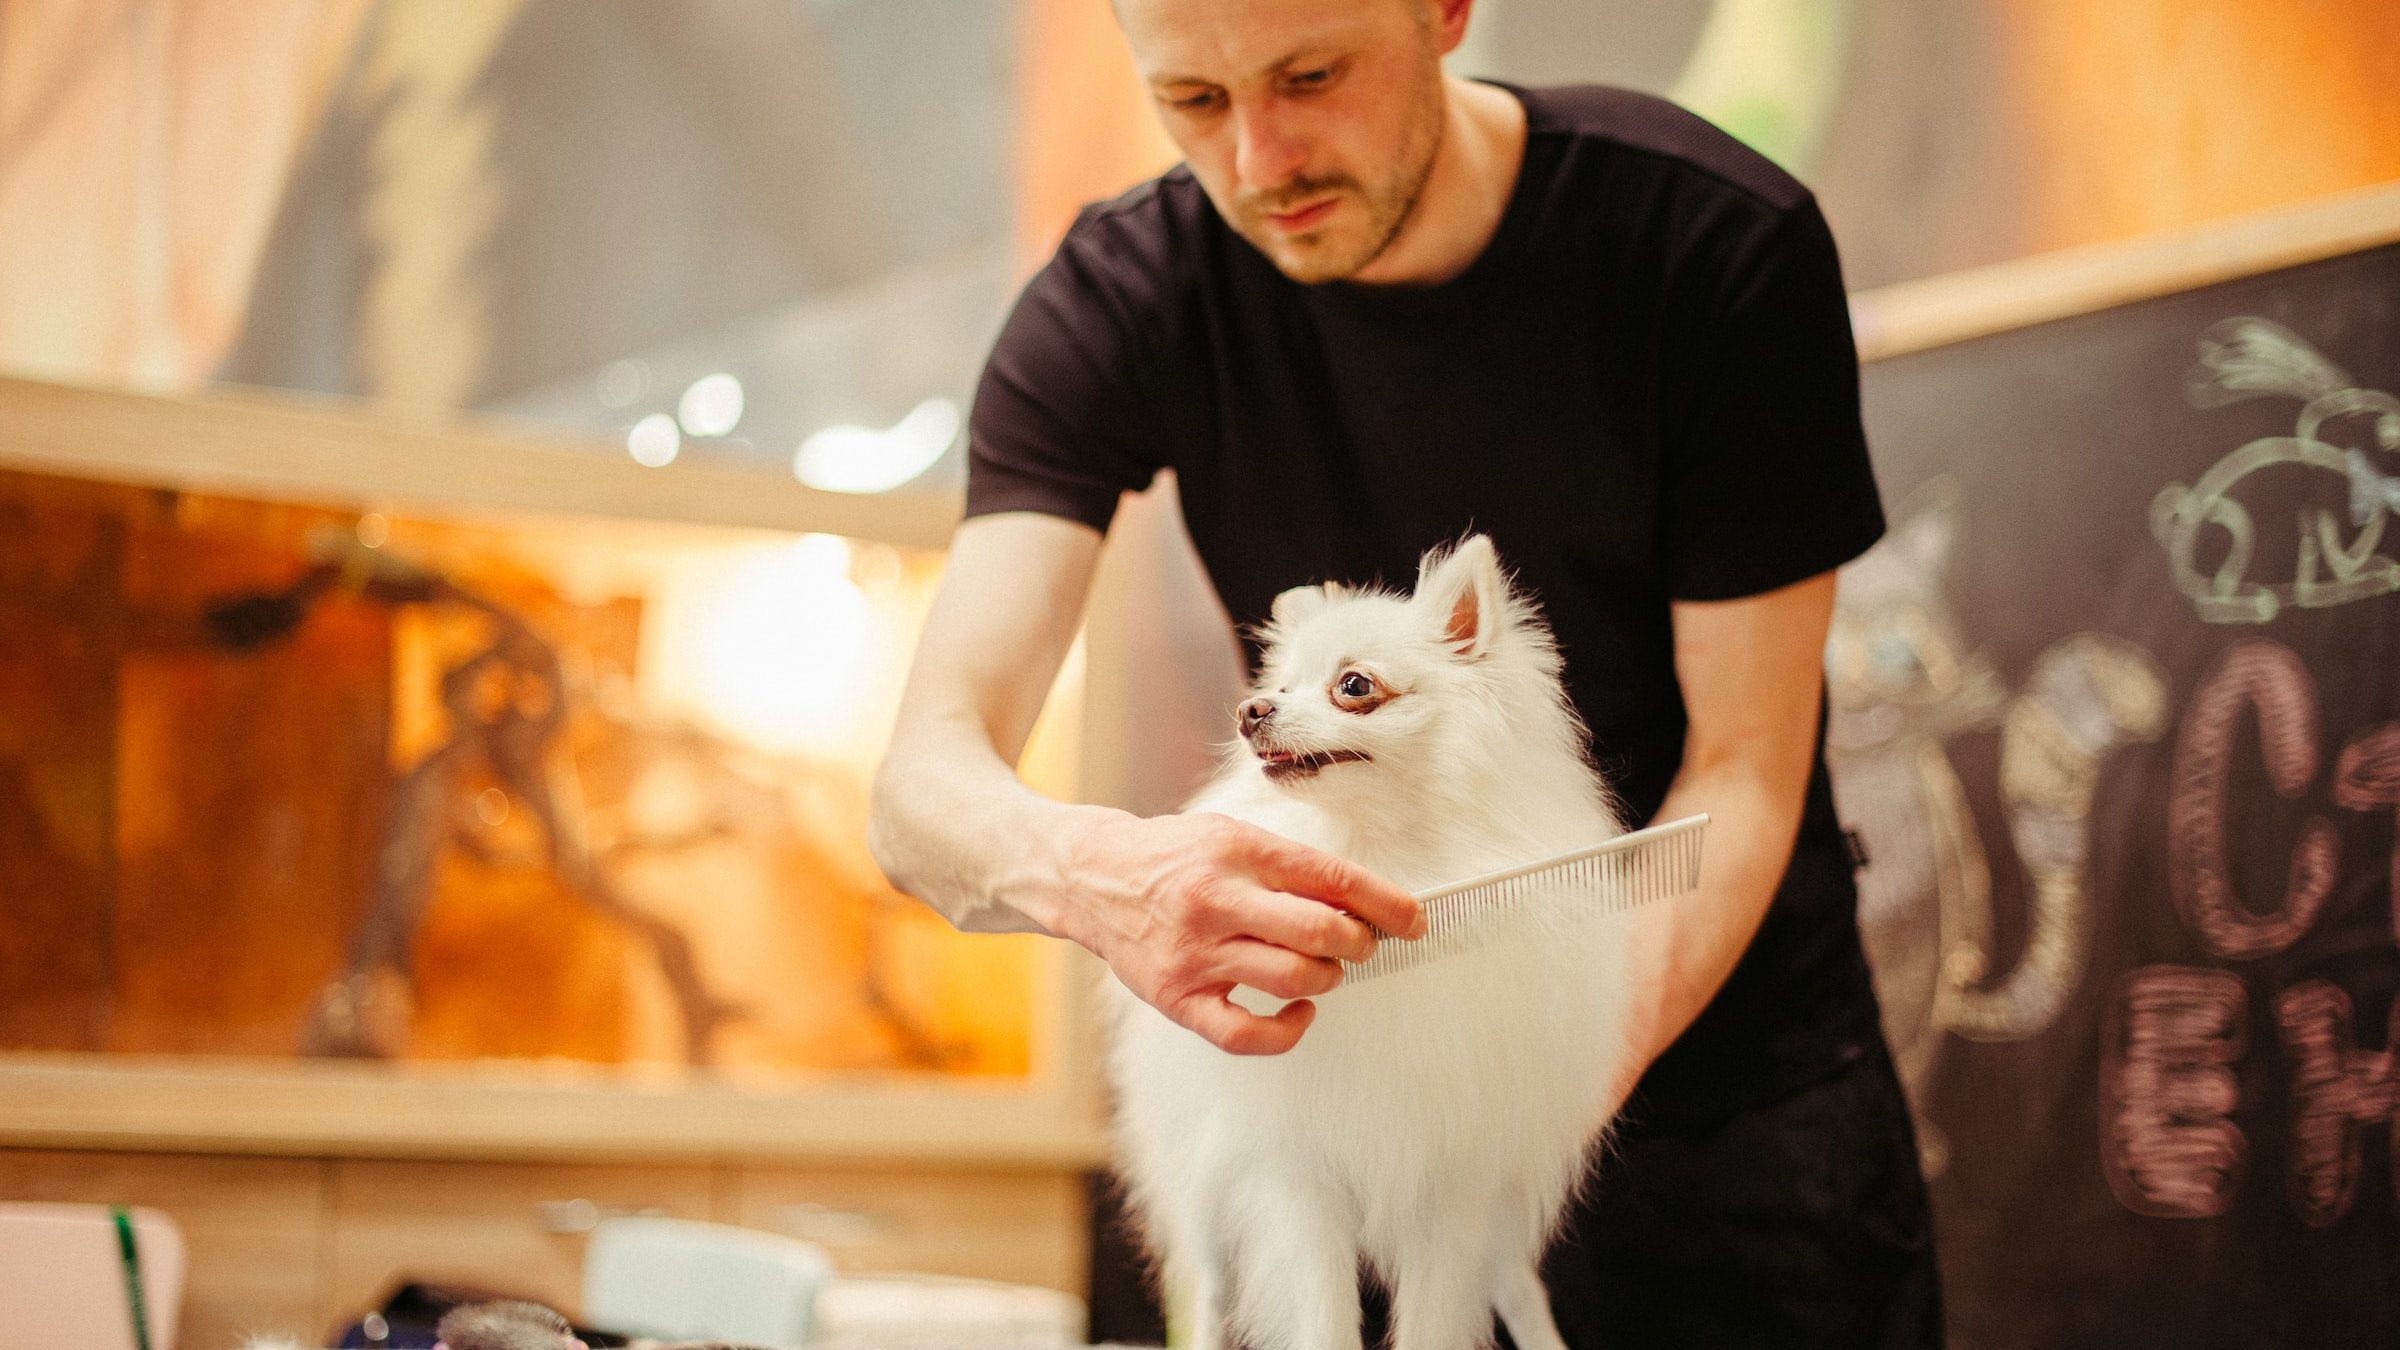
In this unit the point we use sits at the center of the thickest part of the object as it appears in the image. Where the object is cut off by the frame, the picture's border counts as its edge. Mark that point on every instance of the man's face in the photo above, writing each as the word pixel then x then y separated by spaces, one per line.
pixel 1311 123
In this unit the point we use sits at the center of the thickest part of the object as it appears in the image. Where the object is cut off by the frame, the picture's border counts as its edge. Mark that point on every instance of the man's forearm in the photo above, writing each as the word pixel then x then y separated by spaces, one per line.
pixel 955 827
pixel 1689 946
pixel 951 822
pixel 1751 675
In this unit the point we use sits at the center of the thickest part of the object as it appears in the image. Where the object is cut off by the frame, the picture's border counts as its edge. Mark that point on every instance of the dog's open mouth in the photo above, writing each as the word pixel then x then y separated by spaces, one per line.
pixel 1287 764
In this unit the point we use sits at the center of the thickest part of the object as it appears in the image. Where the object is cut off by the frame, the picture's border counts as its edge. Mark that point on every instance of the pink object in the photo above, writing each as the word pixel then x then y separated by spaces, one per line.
pixel 64 1278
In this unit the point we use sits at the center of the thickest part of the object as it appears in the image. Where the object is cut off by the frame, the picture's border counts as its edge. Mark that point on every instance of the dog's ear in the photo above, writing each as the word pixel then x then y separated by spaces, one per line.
pixel 1464 591
pixel 1301 601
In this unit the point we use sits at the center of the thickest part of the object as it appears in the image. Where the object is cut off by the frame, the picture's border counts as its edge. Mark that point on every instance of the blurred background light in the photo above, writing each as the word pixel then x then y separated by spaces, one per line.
pixel 850 458
pixel 769 645
pixel 654 440
pixel 712 405
pixel 619 383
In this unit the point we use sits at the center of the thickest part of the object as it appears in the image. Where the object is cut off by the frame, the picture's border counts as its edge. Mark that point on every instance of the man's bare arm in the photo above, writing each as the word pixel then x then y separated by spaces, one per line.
pixel 1181 907
pixel 1752 670
pixel 948 808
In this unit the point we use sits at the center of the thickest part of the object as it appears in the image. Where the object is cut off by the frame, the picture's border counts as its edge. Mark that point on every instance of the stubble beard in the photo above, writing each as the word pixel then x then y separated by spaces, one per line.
pixel 1315 257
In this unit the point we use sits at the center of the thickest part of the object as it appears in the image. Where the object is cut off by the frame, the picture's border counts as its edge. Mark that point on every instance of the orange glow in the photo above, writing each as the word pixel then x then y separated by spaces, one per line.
pixel 1084 126
pixel 2145 115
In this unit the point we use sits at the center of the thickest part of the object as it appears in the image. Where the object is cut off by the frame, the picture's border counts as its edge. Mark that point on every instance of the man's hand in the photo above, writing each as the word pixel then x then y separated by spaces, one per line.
pixel 1183 908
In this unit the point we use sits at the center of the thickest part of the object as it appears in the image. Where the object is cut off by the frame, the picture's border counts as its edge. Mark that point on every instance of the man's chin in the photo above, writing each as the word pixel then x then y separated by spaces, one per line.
pixel 1312 261
pixel 1338 253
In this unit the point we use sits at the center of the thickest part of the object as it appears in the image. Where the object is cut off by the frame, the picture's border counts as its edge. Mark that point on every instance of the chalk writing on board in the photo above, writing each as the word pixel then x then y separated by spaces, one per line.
pixel 2168 1086
pixel 2342 430
pixel 2267 677
pixel 2336 1088
pixel 2367 778
pixel 2168 1143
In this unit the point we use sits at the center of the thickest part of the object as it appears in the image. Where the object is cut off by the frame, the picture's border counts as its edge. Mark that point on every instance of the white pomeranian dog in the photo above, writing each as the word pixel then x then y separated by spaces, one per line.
pixel 1432 1122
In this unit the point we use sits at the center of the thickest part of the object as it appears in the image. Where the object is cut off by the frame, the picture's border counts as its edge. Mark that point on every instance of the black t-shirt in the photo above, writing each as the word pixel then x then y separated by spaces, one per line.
pixel 1644 390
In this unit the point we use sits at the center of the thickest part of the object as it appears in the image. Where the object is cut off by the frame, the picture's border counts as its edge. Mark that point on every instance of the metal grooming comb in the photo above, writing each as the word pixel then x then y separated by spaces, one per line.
pixel 1657 863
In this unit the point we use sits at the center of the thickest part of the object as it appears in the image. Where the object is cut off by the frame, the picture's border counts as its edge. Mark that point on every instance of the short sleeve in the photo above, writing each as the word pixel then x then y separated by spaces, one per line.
pixel 1056 422
pixel 1767 480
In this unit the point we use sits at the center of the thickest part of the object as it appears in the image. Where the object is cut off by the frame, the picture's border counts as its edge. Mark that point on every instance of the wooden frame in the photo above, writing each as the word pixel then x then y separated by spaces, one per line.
pixel 1052 1118
pixel 282 448
pixel 1914 315
pixel 285 448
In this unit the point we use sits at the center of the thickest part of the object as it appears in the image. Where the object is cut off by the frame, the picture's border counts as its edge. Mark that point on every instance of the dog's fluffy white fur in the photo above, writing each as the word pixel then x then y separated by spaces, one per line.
pixel 1431 1123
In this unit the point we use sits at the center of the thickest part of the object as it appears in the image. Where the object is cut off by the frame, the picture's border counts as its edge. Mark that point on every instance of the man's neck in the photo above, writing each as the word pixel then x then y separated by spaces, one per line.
pixel 1465 194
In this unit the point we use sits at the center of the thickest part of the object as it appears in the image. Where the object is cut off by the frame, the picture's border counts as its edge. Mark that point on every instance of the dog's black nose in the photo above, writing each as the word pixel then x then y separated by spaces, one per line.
pixel 1254 713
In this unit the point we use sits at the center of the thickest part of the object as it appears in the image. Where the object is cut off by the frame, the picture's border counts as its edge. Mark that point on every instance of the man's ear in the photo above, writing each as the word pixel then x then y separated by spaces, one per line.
pixel 1449 21
pixel 1301 601
pixel 1464 591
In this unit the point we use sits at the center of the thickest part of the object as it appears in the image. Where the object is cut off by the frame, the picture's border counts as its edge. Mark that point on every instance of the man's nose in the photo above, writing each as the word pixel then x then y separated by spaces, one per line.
pixel 1265 154
pixel 1254 714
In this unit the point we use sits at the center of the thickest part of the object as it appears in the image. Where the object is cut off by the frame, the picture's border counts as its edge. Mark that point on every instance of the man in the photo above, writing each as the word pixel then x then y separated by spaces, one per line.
pixel 1376 307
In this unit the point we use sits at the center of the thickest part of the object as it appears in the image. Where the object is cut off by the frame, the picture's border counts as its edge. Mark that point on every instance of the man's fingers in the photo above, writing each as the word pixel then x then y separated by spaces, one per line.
pixel 1237 1031
pixel 1305 926
pixel 1317 875
pixel 1271 969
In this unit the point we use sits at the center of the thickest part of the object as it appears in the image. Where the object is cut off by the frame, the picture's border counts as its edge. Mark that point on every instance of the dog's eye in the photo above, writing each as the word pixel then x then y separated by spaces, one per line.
pixel 1355 691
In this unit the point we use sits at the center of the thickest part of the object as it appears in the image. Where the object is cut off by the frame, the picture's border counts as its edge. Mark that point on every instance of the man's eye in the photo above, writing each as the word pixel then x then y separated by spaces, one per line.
pixel 1193 102
pixel 1355 685
pixel 1310 79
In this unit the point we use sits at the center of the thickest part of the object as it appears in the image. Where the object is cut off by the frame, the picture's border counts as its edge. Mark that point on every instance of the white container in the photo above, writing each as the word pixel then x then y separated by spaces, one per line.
pixel 677 1279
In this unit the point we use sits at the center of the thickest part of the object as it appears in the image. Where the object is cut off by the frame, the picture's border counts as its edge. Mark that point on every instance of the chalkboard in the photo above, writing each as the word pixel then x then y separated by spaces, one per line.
pixel 2116 714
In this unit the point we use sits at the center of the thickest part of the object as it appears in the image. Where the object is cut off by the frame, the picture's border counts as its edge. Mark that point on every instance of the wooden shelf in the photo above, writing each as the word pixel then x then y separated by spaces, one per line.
pixel 1914 315
pixel 1052 1117
pixel 282 447
pixel 524 1112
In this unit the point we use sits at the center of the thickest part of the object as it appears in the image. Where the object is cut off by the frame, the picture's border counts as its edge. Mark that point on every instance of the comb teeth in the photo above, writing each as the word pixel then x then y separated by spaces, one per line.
pixel 1657 863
